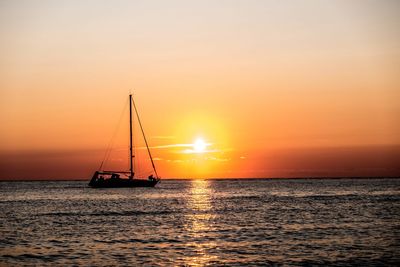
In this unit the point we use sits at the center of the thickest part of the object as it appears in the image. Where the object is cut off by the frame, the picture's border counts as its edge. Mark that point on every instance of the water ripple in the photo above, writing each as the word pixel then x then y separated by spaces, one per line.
pixel 321 222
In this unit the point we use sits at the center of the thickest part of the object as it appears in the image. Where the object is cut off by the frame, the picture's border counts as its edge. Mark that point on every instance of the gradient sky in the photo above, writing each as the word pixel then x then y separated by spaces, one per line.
pixel 275 88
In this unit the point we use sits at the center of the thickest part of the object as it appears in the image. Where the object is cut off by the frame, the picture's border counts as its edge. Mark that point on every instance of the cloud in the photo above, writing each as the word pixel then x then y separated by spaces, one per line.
pixel 192 151
pixel 166 146
pixel 163 137
pixel 171 146
pixel 175 161
pixel 218 159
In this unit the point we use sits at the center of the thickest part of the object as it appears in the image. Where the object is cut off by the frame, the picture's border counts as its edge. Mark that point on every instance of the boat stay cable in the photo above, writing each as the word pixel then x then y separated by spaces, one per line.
pixel 144 137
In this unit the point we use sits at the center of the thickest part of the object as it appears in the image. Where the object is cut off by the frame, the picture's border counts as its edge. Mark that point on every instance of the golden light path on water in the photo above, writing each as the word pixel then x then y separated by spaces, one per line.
pixel 198 223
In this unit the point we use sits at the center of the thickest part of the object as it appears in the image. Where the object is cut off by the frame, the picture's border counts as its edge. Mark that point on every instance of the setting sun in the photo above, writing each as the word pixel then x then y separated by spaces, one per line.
pixel 199 146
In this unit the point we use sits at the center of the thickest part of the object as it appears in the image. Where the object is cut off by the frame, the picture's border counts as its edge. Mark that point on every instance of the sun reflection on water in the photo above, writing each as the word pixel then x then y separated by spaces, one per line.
pixel 198 224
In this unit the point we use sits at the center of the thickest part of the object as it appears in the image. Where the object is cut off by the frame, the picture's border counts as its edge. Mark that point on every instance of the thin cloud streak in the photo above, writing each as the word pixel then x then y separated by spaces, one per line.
pixel 163 137
pixel 170 146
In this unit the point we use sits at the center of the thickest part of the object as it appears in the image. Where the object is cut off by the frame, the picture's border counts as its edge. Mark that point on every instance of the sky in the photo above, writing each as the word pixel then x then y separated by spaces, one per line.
pixel 267 88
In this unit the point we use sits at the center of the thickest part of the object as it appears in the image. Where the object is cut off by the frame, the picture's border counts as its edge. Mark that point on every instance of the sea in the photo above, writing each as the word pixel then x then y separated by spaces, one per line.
pixel 231 222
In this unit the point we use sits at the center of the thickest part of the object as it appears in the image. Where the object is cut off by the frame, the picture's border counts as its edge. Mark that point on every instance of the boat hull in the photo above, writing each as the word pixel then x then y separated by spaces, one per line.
pixel 117 183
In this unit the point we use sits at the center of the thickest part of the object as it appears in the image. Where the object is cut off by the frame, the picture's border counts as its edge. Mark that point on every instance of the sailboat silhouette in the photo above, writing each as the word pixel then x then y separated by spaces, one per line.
pixel 110 179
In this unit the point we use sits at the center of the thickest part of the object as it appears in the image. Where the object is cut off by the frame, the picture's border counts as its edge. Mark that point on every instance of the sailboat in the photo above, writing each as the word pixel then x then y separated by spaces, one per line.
pixel 111 179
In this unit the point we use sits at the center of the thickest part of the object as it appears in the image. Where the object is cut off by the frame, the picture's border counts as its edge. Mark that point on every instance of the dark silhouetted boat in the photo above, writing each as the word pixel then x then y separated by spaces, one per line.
pixel 110 179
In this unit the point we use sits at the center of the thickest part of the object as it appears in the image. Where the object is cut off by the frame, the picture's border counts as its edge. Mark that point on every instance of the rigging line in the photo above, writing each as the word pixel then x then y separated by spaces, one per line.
pixel 111 142
pixel 130 140
pixel 135 154
pixel 144 137
pixel 128 159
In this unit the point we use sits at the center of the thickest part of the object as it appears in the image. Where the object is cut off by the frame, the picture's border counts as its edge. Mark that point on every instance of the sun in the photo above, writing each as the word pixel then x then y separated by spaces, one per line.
pixel 199 146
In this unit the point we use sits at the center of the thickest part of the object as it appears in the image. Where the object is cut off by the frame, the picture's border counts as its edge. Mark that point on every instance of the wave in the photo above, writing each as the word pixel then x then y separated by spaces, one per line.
pixel 107 213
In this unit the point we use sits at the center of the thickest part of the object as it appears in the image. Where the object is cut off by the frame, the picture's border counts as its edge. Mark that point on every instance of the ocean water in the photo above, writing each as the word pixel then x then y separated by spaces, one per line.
pixel 337 222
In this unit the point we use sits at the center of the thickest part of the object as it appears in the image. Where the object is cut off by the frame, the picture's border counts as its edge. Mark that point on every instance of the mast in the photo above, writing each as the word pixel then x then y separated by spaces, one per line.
pixel 144 137
pixel 130 139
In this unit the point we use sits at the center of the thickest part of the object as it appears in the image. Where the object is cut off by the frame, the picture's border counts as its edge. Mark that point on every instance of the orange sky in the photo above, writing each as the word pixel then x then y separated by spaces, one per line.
pixel 275 88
